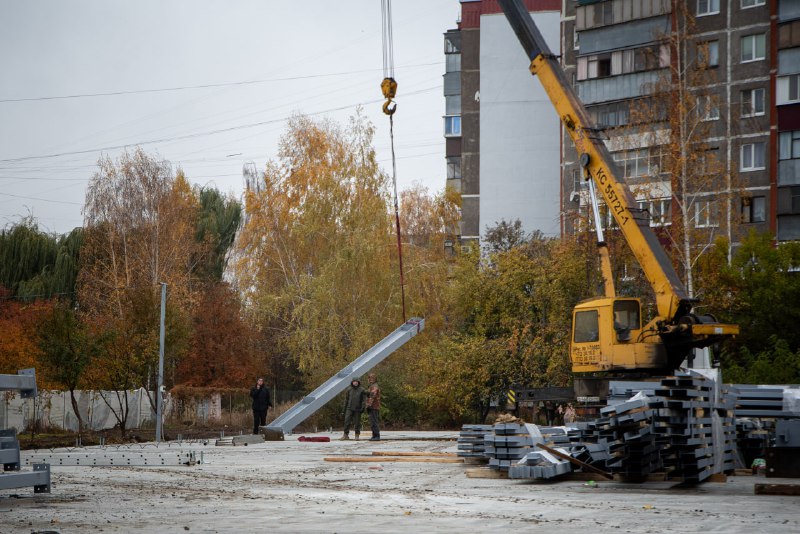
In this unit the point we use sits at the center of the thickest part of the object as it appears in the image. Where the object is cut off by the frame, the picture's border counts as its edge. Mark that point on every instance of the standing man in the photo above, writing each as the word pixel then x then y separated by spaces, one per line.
pixel 374 406
pixel 353 408
pixel 261 403
pixel 569 414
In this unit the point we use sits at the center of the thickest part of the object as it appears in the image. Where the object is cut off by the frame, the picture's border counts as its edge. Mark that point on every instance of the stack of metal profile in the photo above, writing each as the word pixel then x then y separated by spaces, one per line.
pixel 684 422
pixel 778 402
pixel 540 464
pixel 507 444
pixel 471 441
pixel 728 448
pixel 625 430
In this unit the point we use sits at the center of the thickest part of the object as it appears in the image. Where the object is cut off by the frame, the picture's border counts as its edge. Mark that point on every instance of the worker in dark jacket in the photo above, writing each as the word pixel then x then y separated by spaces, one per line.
pixel 261 403
pixel 353 408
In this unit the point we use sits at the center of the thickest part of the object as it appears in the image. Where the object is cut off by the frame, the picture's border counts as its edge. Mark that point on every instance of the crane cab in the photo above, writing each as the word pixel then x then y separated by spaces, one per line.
pixel 607 335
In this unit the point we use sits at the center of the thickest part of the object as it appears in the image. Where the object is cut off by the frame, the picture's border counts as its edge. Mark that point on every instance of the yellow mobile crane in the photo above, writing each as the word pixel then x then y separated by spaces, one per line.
pixel 607 332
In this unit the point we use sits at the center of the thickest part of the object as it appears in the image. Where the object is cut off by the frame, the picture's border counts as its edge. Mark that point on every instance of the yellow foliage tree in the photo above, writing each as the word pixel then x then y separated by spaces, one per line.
pixel 315 251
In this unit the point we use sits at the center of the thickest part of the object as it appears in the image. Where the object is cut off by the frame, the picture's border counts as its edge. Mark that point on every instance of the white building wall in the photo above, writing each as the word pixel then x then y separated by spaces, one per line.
pixel 519 131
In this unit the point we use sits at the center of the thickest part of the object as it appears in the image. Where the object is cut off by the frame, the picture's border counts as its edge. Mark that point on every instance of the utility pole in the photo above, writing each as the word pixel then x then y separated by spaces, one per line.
pixel 160 385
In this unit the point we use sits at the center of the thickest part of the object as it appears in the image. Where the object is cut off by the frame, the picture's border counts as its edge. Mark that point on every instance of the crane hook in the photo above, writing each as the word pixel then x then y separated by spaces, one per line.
pixel 389 88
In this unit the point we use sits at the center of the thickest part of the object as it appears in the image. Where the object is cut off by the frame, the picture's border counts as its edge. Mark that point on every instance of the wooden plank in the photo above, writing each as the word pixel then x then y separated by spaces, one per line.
pixel 484 472
pixel 371 459
pixel 428 454
pixel 718 477
pixel 777 489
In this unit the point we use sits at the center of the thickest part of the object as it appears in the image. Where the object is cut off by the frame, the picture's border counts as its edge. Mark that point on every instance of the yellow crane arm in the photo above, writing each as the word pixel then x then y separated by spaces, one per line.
pixel 672 300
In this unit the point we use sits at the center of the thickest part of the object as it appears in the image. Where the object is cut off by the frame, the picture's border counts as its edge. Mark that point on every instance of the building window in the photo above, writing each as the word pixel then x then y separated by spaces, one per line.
pixel 705 213
pixel 577 182
pixel 754 209
pixel 788 89
pixel 753 102
pixel 450 45
pixel 753 156
pixel 607 218
pixel 795 192
pixel 633 163
pixel 789 145
pixel 708 54
pixel 753 47
pixel 453 168
pixel 452 62
pixel 611 116
pixel 639 162
pixel 623 62
pixel 707 7
pixel 794 88
pixel 660 211
pixel 452 126
pixel 752 3
pixel 707 108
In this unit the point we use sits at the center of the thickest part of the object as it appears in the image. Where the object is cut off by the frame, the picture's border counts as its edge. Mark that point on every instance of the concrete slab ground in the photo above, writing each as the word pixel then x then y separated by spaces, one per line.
pixel 288 487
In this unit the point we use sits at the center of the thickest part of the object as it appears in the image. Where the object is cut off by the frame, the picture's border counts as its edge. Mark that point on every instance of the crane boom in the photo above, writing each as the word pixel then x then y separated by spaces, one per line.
pixel 672 300
pixel 607 332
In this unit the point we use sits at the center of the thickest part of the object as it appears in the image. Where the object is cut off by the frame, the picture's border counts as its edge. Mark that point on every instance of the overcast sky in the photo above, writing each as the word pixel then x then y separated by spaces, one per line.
pixel 60 60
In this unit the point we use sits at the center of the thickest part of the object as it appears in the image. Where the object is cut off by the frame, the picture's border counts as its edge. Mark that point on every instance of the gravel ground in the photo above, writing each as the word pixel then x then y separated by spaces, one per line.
pixel 288 487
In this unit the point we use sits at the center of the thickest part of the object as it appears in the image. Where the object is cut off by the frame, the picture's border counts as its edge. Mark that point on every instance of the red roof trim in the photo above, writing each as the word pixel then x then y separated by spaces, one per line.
pixel 471 11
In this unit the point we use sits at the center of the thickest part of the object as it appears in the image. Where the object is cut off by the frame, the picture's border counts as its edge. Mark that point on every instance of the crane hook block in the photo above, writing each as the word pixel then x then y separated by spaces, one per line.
pixel 389 88
pixel 389 107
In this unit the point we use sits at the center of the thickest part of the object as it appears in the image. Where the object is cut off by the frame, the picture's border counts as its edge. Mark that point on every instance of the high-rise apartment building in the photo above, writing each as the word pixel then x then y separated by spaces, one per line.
pixel 502 135
pixel 624 54
pixel 786 92
pixel 739 60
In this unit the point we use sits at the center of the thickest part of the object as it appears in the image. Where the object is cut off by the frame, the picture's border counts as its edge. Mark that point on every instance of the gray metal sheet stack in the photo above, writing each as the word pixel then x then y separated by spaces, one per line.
pixel 626 430
pixel 684 421
pixel 539 464
pixel 507 444
pixel 471 441
pixel 777 402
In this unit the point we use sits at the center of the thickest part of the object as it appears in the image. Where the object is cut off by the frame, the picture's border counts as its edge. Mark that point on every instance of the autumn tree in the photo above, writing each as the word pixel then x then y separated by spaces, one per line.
pixel 511 313
pixel 315 253
pixel 140 224
pixel 18 323
pixel 66 350
pixel 670 152
pixel 221 349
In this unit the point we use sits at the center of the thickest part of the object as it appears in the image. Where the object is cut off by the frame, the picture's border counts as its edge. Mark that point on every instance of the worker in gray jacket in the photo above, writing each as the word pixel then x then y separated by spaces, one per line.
pixel 353 408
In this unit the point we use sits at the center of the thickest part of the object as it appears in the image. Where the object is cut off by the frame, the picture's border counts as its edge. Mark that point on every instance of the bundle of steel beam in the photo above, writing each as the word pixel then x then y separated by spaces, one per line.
pixel 507 444
pixel 471 441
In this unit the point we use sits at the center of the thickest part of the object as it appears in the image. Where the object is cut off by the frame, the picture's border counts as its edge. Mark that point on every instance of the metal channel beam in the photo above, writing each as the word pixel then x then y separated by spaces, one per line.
pixel 24 382
pixel 113 458
pixel 9 459
pixel 39 479
pixel 339 382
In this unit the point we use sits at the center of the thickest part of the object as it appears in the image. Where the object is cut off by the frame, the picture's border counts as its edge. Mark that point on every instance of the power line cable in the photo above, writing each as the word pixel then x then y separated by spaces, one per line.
pixel 190 136
pixel 202 86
